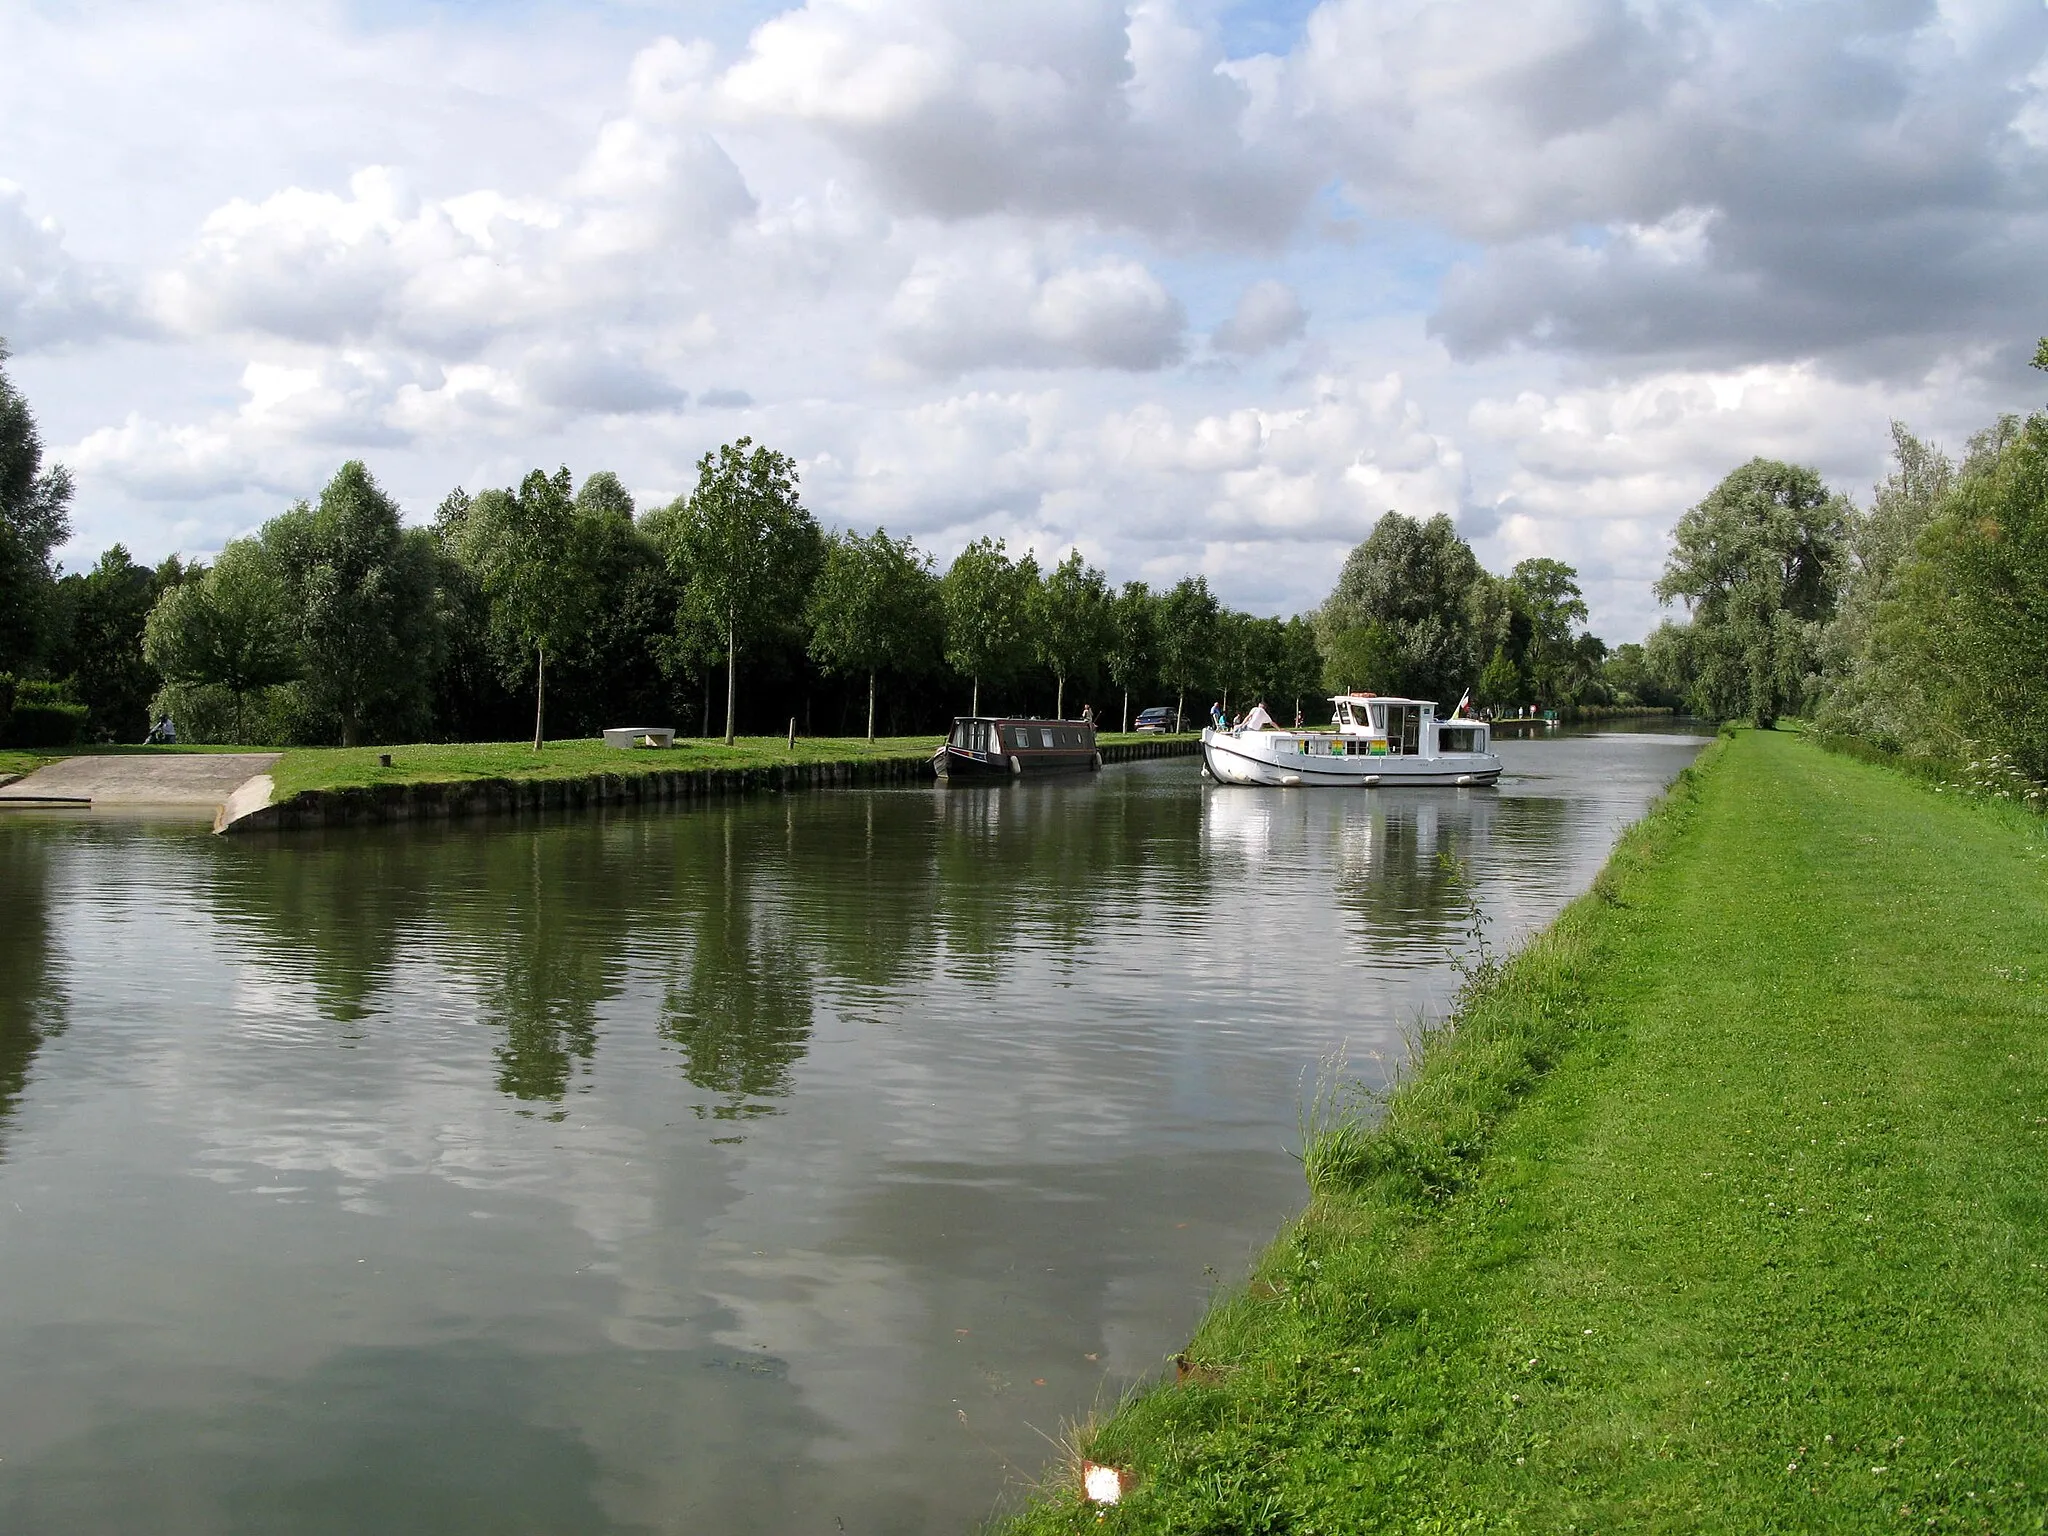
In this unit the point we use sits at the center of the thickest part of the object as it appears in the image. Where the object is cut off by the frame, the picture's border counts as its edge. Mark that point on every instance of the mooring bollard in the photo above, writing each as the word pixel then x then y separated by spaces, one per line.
pixel 792 733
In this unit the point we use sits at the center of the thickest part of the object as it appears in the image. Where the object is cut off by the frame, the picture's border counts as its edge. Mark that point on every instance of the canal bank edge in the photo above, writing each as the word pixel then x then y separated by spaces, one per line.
pixel 250 809
pixel 1716 1208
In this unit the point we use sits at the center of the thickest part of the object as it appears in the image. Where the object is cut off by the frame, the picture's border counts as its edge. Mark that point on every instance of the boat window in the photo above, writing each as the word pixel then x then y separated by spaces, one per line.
pixel 1457 738
pixel 1411 728
pixel 1045 736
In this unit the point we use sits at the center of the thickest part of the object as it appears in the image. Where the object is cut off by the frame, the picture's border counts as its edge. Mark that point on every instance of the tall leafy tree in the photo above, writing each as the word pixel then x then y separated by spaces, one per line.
pixel 1415 581
pixel 364 593
pixel 1870 684
pixel 1500 681
pixel 1548 592
pixel 1186 627
pixel 745 550
pixel 33 522
pixel 532 562
pixel 1130 639
pixel 1365 657
pixel 102 645
pixel 611 671
pixel 1757 563
pixel 1301 667
pixel 875 608
pixel 987 597
pixel 230 627
pixel 1970 612
pixel 1070 623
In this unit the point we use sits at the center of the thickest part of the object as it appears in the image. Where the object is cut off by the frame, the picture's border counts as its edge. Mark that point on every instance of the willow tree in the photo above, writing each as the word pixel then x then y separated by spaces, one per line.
pixel 744 549
pixel 1757 564
pixel 875 608
pixel 232 627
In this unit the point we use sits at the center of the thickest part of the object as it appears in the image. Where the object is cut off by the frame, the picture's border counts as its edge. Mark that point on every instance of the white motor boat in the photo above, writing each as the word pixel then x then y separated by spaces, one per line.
pixel 1378 741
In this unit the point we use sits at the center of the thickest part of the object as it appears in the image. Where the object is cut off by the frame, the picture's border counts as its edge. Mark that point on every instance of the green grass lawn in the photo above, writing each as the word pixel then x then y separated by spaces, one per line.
pixel 434 762
pixel 1724 1209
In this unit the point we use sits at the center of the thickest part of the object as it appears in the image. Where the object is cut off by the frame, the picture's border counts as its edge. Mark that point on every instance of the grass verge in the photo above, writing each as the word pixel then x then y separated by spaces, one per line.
pixel 1720 1208
pixel 303 768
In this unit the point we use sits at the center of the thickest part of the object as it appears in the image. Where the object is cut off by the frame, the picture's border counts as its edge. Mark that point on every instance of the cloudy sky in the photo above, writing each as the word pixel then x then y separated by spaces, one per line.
pixel 1195 284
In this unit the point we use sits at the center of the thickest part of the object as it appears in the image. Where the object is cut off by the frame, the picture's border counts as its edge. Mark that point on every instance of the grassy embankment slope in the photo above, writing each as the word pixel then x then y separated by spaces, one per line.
pixel 1723 1210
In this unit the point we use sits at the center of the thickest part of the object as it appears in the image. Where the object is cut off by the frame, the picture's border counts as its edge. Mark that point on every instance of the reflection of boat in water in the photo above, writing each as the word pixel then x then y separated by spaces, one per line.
pixel 1379 741
pixel 982 746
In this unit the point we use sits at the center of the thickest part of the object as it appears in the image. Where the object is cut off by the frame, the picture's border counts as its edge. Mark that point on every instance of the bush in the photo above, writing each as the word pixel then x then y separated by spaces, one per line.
pixel 41 717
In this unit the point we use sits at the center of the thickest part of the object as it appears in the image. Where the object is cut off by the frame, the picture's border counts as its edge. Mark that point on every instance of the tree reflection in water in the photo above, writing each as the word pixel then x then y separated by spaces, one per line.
pixel 32 999
pixel 739 917
pixel 741 1009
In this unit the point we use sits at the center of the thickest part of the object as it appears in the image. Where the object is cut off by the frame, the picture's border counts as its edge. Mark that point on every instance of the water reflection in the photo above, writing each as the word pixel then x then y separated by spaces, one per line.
pixel 740 1012
pixel 32 1001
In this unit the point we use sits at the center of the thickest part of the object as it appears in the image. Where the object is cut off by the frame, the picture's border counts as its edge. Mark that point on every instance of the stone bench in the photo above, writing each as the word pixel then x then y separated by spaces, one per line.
pixel 640 735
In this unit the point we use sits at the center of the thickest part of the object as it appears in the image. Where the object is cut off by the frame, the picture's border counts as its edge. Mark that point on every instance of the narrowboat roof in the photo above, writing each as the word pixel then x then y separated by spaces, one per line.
pixel 1017 720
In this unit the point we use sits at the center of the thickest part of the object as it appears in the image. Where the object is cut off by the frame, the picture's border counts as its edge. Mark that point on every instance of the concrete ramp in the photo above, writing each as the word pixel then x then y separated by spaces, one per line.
pixel 200 780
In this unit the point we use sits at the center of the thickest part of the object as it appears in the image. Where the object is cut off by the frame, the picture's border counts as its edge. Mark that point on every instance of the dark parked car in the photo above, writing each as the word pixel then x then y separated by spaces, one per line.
pixel 1160 719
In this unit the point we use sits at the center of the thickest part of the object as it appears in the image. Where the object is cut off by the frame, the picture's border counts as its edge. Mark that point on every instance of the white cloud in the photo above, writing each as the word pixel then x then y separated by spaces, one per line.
pixel 1268 315
pixel 1004 307
pixel 48 298
pixel 943 252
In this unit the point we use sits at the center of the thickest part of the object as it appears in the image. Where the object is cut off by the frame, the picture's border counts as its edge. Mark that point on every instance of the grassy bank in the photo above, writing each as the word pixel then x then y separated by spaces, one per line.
pixel 304 768
pixel 1721 1210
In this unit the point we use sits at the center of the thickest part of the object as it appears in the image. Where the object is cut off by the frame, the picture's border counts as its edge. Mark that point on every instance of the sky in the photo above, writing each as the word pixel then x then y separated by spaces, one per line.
pixel 1191 285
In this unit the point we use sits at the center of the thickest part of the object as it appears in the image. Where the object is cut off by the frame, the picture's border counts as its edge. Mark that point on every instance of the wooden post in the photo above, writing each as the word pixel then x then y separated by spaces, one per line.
pixel 792 735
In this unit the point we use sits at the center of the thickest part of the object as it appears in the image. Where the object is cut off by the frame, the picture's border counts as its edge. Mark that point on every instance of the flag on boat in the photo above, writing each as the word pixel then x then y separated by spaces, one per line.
pixel 1464 703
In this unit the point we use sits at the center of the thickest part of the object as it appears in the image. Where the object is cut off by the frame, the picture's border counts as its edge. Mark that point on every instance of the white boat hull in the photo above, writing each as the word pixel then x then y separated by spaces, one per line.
pixel 1289 759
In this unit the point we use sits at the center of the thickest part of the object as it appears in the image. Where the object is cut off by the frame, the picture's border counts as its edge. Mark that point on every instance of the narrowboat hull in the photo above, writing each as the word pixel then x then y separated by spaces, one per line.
pixel 953 762
pixel 1283 759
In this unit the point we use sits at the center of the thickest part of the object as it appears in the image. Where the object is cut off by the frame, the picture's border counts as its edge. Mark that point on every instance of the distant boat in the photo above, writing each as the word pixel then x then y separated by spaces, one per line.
pixel 1003 746
pixel 1378 741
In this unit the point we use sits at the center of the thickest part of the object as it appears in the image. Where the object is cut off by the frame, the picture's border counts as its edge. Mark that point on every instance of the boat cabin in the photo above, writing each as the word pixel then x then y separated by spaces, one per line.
pixel 1397 727
pixel 1004 744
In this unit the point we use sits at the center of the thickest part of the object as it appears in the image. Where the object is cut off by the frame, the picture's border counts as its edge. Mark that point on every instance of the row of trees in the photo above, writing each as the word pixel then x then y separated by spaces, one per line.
pixel 1919 625
pixel 728 606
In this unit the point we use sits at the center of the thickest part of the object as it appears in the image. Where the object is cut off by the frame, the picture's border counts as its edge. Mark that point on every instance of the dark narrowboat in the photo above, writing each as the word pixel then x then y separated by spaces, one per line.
pixel 989 746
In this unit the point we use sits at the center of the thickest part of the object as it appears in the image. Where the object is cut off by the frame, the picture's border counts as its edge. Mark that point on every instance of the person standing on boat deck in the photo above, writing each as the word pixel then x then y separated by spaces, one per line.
pixel 1216 714
pixel 1088 716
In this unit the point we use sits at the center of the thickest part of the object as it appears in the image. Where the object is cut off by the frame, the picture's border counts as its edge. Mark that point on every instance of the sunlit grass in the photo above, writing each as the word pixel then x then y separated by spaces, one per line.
pixel 304 768
pixel 1719 1209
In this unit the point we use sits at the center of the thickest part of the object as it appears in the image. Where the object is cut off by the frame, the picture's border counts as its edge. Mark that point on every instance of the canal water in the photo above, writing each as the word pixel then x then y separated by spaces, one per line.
pixel 794 1164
